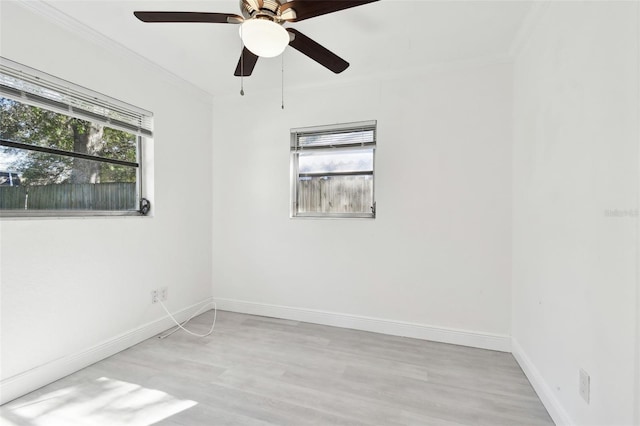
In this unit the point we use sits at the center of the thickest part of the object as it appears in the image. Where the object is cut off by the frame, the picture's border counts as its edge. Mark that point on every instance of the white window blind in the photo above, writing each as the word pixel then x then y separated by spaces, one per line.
pixel 338 136
pixel 34 87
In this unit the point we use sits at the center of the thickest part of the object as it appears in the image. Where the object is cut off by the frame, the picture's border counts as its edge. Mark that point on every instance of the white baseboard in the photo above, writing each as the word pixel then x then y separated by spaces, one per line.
pixel 474 339
pixel 30 380
pixel 549 400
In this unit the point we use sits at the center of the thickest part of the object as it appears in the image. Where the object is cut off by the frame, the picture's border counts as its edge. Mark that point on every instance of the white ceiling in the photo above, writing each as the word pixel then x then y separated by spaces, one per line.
pixel 390 36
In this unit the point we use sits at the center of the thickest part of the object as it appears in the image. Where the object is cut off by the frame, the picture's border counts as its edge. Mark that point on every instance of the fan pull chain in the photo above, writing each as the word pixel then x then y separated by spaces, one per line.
pixel 241 79
pixel 241 63
pixel 282 80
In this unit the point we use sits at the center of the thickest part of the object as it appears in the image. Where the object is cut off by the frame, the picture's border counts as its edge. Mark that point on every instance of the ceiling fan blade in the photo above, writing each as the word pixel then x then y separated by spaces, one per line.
pixel 249 64
pixel 207 17
pixel 306 9
pixel 318 53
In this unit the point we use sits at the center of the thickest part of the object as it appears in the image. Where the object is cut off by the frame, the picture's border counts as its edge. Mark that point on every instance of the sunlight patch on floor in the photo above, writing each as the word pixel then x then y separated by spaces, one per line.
pixel 101 402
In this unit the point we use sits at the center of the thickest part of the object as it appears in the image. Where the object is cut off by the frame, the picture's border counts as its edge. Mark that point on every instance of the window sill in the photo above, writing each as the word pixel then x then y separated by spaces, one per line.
pixel 62 214
pixel 333 216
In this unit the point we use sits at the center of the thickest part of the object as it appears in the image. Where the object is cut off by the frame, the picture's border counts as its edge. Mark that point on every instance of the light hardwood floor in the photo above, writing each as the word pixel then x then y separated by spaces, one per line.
pixel 264 371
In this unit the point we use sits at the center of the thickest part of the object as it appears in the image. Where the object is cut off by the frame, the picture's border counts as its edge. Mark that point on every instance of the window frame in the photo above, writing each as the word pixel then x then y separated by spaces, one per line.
pixel 26 213
pixel 296 149
pixel 75 101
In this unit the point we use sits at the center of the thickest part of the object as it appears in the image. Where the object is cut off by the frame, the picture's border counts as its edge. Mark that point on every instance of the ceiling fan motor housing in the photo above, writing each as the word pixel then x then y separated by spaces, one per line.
pixel 266 9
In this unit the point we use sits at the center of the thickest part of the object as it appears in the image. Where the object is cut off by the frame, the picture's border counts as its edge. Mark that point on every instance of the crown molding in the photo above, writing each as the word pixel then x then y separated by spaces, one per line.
pixel 417 72
pixel 82 30
pixel 529 24
pixel 410 73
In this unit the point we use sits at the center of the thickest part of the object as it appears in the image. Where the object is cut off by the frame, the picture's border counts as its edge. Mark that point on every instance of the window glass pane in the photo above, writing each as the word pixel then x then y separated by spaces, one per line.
pixel 338 138
pixel 343 160
pixel 335 194
pixel 333 170
pixel 32 180
pixel 28 124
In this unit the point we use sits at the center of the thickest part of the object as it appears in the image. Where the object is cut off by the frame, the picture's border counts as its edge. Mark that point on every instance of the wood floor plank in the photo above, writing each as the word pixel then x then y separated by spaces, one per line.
pixel 259 371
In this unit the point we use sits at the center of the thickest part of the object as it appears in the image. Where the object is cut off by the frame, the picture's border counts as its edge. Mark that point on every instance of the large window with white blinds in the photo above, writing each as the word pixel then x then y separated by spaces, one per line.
pixel 67 150
pixel 332 171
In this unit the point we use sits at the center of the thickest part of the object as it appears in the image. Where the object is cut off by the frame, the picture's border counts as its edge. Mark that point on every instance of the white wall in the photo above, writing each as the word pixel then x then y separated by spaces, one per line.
pixel 437 256
pixel 71 284
pixel 575 157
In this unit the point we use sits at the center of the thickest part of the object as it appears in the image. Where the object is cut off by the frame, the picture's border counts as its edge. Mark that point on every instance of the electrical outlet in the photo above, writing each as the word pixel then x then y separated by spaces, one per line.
pixel 164 294
pixel 585 385
pixel 154 296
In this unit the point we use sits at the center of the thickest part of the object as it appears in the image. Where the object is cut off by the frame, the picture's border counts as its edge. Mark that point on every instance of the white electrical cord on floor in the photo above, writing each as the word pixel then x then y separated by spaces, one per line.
pixel 207 302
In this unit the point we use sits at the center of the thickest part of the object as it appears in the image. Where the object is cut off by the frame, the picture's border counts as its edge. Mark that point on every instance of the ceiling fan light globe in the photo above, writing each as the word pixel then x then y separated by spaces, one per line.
pixel 263 37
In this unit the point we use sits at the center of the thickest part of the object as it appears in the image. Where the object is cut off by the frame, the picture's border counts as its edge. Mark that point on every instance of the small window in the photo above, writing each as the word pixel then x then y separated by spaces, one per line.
pixel 65 150
pixel 333 171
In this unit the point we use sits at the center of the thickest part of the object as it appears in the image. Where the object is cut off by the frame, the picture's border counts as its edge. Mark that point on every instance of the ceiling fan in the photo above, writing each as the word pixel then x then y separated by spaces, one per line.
pixel 262 31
